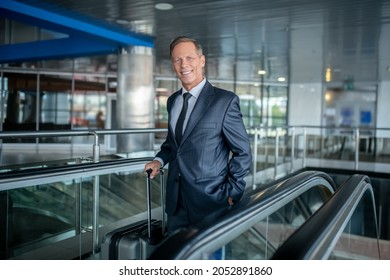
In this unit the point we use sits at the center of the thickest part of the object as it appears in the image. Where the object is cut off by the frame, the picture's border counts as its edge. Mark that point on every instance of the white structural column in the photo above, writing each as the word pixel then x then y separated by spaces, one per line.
pixel 384 82
pixel 135 98
pixel 305 82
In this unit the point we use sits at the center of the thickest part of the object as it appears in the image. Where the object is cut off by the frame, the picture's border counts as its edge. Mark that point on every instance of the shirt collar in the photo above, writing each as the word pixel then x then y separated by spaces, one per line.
pixel 196 90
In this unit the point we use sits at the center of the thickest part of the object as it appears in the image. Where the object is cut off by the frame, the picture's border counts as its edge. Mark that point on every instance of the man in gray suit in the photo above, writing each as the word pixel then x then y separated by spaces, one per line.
pixel 208 162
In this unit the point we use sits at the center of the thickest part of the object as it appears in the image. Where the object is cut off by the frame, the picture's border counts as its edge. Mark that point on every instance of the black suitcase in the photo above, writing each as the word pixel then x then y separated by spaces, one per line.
pixel 136 241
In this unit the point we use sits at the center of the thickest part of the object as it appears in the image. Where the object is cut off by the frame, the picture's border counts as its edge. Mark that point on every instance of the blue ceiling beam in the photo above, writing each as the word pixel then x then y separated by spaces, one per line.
pixel 53 49
pixel 94 35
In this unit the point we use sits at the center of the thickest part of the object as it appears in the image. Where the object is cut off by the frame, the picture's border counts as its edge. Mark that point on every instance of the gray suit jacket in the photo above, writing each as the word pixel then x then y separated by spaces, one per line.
pixel 214 155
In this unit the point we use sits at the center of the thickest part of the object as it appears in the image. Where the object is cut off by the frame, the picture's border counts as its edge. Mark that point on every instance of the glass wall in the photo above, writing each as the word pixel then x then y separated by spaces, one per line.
pixel 260 105
pixel 53 101
pixel 69 100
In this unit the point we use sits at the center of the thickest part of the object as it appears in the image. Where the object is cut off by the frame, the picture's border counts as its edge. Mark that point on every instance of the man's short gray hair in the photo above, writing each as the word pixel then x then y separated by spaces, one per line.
pixel 182 39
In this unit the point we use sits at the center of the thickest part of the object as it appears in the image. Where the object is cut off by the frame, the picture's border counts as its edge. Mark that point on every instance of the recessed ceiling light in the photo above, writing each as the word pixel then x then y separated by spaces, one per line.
pixel 164 6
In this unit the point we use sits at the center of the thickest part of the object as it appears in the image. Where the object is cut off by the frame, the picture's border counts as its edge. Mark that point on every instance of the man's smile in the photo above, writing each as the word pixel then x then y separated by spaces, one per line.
pixel 186 72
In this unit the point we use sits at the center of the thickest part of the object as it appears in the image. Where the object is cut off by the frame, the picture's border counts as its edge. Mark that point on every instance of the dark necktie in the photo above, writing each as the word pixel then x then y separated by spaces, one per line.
pixel 182 116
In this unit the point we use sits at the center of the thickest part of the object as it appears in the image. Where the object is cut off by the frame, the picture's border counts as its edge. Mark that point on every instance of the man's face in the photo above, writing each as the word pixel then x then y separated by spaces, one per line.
pixel 187 64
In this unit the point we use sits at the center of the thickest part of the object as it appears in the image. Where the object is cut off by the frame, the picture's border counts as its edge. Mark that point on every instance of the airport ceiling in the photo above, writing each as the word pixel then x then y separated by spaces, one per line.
pixel 241 37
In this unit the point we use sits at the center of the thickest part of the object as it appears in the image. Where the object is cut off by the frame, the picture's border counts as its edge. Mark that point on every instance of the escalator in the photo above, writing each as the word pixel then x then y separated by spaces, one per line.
pixel 343 227
pixel 257 226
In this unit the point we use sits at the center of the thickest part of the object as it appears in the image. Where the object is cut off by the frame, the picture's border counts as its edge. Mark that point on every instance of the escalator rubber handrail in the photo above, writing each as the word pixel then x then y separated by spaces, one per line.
pixel 185 244
pixel 65 168
pixel 18 176
pixel 316 238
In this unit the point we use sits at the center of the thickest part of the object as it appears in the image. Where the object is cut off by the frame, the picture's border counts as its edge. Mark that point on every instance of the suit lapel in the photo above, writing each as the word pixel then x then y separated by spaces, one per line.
pixel 205 98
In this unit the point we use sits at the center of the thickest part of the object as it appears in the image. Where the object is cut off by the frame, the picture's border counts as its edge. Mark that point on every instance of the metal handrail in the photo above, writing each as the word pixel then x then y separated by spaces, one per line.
pixel 257 131
pixel 95 154
pixel 94 133
pixel 302 130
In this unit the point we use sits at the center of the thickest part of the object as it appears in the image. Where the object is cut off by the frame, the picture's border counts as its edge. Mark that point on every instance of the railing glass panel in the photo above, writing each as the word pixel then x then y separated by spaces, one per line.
pixel 261 240
pixel 54 213
pixel 359 238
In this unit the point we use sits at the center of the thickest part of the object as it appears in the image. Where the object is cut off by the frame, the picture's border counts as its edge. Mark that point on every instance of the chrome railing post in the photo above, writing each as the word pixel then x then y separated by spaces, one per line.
pixel 77 206
pixel 96 147
pixel 95 218
pixel 357 144
pixel 255 151
pixel 276 152
pixel 292 148
pixel 323 148
pixel 304 147
pixel 265 135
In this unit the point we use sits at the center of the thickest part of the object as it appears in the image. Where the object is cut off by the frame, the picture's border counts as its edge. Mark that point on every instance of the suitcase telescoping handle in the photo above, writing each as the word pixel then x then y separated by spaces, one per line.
pixel 148 198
